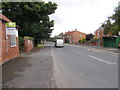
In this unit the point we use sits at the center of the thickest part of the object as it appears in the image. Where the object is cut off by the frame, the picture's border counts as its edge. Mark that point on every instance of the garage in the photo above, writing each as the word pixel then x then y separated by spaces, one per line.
pixel 111 41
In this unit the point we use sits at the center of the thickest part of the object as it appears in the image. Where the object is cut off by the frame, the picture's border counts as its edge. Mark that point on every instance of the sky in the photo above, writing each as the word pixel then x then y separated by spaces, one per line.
pixel 84 15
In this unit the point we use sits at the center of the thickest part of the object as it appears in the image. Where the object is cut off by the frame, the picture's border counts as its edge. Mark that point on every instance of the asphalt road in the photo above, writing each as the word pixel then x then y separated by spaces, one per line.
pixel 85 67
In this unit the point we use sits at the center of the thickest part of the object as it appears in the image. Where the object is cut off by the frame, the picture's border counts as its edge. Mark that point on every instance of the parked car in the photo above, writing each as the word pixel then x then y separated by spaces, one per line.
pixel 59 43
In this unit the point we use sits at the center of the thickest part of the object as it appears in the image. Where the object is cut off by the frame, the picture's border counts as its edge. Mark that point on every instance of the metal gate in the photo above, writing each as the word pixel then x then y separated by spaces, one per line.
pixel 110 42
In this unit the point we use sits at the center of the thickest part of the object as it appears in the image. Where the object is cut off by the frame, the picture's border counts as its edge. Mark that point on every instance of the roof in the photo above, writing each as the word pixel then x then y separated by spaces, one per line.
pixel 3 17
pixel 100 28
pixel 71 32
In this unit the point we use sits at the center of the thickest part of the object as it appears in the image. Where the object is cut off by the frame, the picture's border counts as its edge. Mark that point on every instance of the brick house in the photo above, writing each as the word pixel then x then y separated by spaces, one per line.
pixel 100 32
pixel 9 47
pixel 73 36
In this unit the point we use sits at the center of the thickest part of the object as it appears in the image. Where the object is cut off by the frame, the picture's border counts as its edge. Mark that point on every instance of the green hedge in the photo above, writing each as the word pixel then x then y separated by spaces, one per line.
pixel 21 43
pixel 26 37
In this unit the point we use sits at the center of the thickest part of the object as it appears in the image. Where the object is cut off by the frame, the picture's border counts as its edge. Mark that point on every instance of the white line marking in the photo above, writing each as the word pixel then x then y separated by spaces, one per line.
pixel 102 60
pixel 114 63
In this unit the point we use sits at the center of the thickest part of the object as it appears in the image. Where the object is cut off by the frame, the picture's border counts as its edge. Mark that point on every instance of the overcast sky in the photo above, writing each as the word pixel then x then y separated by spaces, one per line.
pixel 84 15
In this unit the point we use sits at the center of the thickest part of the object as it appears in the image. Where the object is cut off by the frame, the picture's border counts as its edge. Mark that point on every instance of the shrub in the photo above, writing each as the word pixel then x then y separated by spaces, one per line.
pixel 79 41
pixel 83 40
pixel 21 43
pixel 67 41
pixel 94 40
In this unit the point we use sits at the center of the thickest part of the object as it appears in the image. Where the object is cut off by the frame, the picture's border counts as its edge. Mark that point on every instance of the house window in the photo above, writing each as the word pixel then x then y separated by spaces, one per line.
pixel 80 35
pixel 12 40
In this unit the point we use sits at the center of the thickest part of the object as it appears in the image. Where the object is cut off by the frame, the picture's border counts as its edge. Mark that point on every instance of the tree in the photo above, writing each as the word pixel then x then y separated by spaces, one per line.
pixel 56 37
pixel 114 27
pixel 89 36
pixel 32 17
pixel 116 18
pixel 60 34
pixel 83 40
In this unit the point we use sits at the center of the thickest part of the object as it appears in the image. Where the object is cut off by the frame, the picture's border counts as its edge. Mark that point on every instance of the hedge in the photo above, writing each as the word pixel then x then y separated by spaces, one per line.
pixel 21 43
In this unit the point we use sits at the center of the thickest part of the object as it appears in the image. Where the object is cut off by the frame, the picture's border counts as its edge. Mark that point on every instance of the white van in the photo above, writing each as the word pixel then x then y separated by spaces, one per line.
pixel 59 43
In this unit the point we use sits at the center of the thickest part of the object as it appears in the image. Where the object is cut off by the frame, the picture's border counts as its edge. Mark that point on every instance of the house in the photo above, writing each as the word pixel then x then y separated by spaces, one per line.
pixel 9 45
pixel 106 40
pixel 73 36
pixel 100 32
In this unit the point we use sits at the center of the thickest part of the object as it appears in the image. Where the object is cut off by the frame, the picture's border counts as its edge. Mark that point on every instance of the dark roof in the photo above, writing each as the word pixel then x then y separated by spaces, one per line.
pixel 100 28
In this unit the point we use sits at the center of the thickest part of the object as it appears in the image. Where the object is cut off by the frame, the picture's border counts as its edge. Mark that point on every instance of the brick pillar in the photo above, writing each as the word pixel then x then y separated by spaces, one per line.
pixel 28 44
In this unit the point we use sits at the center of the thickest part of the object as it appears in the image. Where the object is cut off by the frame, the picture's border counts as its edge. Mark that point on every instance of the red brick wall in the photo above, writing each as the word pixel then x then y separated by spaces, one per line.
pixel 101 33
pixel 0 42
pixel 28 45
pixel 76 36
pixel 7 51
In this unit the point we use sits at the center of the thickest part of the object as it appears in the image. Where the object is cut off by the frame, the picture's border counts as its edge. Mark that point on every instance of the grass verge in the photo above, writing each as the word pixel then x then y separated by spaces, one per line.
pixel 40 46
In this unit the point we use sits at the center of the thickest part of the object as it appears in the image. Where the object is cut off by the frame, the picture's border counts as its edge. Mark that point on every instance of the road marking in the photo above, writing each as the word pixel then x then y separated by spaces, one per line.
pixel 101 60
pixel 114 63
pixel 115 55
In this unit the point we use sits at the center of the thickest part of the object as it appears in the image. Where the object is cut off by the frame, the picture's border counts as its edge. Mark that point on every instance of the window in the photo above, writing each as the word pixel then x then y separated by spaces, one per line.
pixel 80 35
pixel 12 40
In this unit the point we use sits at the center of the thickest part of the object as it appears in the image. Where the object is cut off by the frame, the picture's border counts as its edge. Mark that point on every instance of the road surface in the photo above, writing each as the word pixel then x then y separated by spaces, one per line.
pixel 84 67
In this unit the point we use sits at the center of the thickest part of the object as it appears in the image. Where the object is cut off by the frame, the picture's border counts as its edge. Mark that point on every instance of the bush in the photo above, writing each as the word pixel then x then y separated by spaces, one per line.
pixel 79 41
pixel 67 41
pixel 82 41
pixel 21 43
pixel 94 40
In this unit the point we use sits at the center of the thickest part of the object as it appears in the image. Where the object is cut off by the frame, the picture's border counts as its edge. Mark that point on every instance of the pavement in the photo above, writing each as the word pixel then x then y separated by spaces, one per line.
pixel 31 70
pixel 77 66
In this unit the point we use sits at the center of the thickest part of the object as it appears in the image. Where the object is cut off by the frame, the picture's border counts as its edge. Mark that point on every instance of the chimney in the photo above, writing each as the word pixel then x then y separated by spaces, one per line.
pixel 76 29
